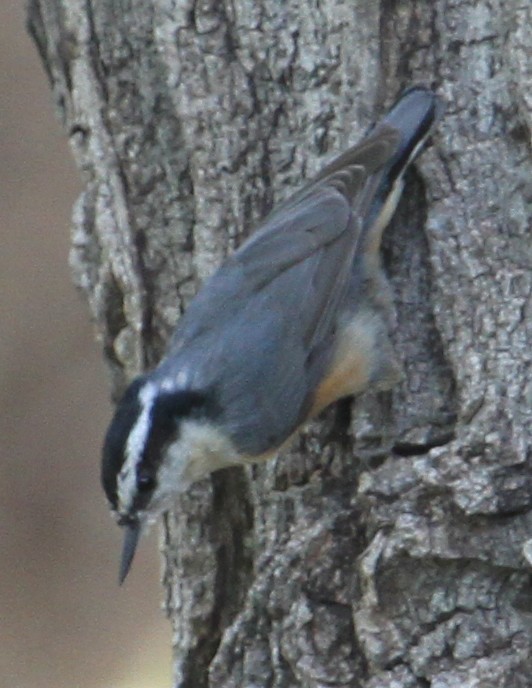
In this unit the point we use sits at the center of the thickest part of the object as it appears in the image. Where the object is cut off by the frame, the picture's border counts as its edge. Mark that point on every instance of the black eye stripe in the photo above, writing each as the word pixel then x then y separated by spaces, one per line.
pixel 167 408
pixel 126 415
pixel 146 482
pixel 166 412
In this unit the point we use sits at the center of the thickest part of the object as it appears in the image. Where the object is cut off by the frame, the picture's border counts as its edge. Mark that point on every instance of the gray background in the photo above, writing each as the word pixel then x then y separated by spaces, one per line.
pixel 63 620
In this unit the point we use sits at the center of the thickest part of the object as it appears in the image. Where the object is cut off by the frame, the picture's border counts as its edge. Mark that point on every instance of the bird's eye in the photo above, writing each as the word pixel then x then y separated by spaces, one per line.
pixel 145 482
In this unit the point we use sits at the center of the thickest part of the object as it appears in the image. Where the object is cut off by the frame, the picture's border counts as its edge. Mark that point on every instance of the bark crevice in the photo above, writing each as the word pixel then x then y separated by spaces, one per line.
pixel 390 544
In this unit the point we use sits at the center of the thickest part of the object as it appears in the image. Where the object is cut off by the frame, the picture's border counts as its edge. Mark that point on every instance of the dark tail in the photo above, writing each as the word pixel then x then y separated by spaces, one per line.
pixel 413 115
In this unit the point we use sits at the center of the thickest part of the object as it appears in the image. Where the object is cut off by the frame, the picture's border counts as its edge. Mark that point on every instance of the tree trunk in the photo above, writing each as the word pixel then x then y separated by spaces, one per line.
pixel 389 546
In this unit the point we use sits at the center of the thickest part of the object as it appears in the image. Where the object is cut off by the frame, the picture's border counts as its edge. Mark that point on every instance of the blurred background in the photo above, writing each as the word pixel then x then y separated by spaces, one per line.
pixel 63 619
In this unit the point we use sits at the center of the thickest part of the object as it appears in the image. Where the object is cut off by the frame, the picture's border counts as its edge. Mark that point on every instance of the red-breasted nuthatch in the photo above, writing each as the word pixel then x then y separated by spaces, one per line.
pixel 290 323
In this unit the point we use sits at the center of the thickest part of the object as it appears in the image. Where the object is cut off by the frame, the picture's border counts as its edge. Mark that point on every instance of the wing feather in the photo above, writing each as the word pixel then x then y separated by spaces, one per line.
pixel 258 329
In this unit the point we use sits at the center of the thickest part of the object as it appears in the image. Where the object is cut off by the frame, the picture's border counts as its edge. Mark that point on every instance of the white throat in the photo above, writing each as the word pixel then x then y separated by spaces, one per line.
pixel 199 450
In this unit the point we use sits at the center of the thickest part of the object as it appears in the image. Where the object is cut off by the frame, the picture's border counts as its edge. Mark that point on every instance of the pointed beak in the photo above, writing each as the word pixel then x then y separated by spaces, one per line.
pixel 132 530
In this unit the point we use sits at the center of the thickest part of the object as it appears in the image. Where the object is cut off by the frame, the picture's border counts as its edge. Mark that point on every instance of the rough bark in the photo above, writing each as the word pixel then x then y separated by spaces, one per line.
pixel 390 546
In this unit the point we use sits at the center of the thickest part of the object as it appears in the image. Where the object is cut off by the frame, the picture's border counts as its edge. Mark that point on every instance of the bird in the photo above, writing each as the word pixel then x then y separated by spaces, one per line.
pixel 292 321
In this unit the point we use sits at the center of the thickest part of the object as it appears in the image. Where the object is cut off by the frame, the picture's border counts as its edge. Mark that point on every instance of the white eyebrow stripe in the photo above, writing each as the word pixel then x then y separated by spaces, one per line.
pixel 181 381
pixel 127 478
pixel 182 378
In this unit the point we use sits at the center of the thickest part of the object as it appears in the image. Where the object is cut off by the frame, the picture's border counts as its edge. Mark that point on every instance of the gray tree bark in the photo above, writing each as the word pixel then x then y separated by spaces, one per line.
pixel 390 546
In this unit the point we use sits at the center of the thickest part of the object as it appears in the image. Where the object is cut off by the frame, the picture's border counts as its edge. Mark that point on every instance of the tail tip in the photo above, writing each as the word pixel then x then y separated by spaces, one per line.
pixel 424 97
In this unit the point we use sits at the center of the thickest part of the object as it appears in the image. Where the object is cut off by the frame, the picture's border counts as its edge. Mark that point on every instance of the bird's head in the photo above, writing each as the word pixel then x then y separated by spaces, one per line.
pixel 160 440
